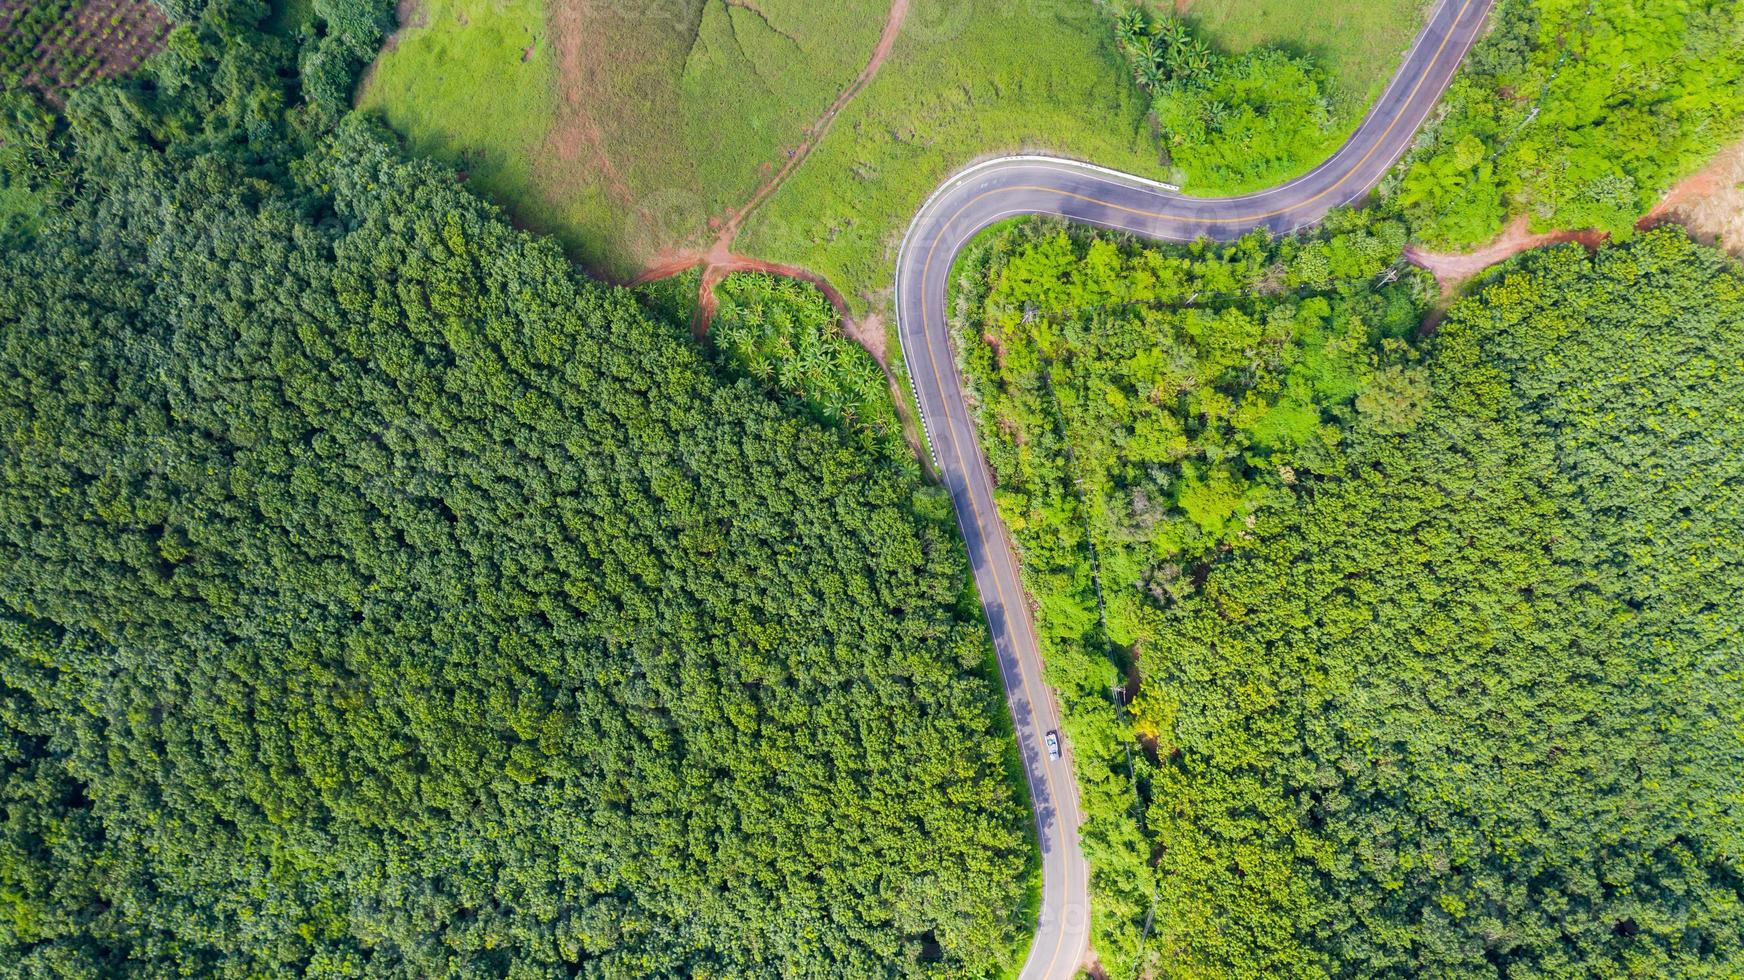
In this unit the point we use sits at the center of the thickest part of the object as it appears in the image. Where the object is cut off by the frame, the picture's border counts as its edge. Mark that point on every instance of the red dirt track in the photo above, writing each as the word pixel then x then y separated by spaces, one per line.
pixel 719 260
pixel 1713 183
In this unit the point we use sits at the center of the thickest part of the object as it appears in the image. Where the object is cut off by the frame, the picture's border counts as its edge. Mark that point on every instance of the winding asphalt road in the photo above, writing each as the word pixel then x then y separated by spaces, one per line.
pixel 998 189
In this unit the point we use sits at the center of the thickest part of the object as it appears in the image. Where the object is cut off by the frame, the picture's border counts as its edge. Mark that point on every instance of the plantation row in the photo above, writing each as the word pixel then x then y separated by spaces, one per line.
pixel 54 45
pixel 381 597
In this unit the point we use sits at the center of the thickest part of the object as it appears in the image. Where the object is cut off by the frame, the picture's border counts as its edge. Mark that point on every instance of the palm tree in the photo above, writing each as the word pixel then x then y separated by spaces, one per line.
pixel 1130 28
pixel 1195 59
pixel 791 376
pixel 1216 114
pixel 1163 61
pixel 733 338
pixel 1143 55
pixel 1171 32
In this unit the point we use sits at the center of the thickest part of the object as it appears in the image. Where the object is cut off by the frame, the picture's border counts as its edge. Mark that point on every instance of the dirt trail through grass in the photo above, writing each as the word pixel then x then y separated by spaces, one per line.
pixel 583 42
pixel 1705 203
pixel 1453 268
pixel 892 27
pixel 719 260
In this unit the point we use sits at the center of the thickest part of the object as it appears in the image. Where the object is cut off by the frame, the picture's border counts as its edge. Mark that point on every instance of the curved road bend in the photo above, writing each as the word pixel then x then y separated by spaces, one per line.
pixel 1003 188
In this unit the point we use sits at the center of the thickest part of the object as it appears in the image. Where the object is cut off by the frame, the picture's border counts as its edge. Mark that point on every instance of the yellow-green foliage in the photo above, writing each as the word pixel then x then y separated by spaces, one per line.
pixel 1358 42
pixel 1472 708
pixel 1578 114
pixel 1142 409
pixel 784 334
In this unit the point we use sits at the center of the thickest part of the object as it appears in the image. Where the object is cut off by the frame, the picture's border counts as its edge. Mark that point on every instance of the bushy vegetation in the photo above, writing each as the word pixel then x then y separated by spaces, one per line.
pixel 379 597
pixel 784 334
pixel 1474 707
pixel 1359 42
pixel 1230 123
pixel 1142 408
pixel 1578 115
pixel 31 171
pixel 1436 654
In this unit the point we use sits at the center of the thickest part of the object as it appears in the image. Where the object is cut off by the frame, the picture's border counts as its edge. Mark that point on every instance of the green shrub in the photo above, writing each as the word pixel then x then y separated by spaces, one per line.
pixel 1578 116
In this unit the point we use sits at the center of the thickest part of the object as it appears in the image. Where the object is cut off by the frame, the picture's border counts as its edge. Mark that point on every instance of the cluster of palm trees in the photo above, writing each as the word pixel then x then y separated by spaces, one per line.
pixel 1162 51
pixel 800 356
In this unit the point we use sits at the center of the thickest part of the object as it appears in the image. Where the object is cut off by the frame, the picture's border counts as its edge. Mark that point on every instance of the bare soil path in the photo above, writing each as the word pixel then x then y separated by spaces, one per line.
pixel 1453 268
pixel 719 259
pixel 1709 203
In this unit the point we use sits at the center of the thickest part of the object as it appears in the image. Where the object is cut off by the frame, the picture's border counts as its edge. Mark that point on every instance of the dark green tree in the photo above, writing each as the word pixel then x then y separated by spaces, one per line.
pixel 379 596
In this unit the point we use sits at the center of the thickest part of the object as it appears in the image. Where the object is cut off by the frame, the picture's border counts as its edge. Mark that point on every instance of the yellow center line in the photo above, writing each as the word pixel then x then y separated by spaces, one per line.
pixel 1004 603
pixel 957 448
pixel 1227 220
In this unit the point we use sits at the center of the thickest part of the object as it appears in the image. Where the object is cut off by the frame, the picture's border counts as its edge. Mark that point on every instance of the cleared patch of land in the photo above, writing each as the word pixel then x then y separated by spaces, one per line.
pixel 650 122
pixel 1710 202
pixel 1453 268
pixel 55 45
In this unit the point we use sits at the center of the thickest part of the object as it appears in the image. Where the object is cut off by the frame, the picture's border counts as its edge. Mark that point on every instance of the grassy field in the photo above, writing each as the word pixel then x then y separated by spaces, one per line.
pixel 967 78
pixel 630 130
pixel 630 125
pixel 1359 43
pixel 470 82
pixel 979 77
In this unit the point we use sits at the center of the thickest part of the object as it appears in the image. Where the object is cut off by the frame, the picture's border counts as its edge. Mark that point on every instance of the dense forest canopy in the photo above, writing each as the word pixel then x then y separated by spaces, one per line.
pixel 1457 689
pixel 1142 409
pixel 1577 114
pixel 1475 707
pixel 378 596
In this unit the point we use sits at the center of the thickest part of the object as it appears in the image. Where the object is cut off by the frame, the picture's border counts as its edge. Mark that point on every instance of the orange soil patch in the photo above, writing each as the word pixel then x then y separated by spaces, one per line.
pixel 1709 203
pixel 1453 268
pixel 870 334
